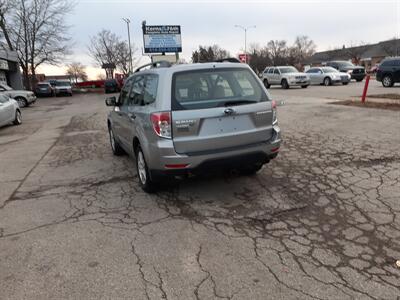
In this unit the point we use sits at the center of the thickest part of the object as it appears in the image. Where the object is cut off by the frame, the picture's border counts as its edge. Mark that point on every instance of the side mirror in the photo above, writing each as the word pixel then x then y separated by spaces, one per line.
pixel 111 101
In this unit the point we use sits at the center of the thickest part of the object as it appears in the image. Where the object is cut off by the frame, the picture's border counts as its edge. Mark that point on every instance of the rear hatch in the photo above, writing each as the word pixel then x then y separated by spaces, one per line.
pixel 219 109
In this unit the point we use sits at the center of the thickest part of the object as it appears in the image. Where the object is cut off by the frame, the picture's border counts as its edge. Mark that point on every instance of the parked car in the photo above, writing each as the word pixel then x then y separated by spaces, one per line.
pixel 356 72
pixel 24 98
pixel 389 71
pixel 327 76
pixel 111 86
pixel 192 118
pixel 62 88
pixel 9 111
pixel 44 89
pixel 285 76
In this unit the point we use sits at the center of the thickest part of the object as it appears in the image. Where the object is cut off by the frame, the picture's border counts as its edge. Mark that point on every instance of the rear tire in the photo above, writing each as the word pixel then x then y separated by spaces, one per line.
pixel 266 84
pixel 285 84
pixel 387 81
pixel 18 118
pixel 145 181
pixel 115 146
pixel 345 83
pixel 304 86
pixel 359 80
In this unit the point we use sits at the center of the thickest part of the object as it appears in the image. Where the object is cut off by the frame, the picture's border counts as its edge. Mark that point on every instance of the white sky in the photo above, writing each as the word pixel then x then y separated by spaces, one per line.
pixel 329 23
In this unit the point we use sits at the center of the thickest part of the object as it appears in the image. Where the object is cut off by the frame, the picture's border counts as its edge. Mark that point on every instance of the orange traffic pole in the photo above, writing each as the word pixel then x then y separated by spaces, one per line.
pixel 364 95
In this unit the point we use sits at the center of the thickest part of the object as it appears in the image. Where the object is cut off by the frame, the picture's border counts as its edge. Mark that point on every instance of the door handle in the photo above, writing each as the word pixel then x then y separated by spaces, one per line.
pixel 132 116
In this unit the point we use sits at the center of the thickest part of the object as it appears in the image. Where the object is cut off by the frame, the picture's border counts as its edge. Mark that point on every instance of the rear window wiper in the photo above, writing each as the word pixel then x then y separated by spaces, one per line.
pixel 238 102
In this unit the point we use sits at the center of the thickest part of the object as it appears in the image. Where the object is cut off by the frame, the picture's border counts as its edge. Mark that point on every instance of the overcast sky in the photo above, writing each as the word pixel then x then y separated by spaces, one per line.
pixel 329 23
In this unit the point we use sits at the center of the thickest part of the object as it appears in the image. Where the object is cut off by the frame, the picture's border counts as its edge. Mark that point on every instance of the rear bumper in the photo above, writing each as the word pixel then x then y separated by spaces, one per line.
pixel 259 153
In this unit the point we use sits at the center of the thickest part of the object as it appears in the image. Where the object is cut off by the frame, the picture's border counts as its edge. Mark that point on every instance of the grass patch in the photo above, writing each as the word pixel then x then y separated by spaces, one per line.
pixel 386 96
pixel 380 105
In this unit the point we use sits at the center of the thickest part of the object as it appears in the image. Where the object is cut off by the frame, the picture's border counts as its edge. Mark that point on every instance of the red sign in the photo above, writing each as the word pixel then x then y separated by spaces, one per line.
pixel 242 57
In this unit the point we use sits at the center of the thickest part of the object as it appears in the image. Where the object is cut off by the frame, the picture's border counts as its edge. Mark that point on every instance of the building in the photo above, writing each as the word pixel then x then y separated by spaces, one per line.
pixel 10 72
pixel 366 55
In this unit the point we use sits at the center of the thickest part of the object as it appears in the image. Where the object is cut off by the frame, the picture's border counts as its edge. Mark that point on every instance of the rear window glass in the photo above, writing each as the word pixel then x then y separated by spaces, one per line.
pixel 391 62
pixel 215 88
pixel 43 85
pixel 110 83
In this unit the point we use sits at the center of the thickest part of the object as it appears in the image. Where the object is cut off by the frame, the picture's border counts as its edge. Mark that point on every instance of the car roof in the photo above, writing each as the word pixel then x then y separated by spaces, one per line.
pixel 391 58
pixel 190 67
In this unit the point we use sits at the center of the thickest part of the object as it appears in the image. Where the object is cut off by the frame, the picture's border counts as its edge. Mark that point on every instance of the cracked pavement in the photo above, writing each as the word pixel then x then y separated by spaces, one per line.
pixel 319 222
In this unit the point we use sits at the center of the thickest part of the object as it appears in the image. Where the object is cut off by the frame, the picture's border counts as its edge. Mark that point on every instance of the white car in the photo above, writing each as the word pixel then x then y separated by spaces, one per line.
pixel 9 111
pixel 285 76
pixel 24 98
pixel 62 88
pixel 328 76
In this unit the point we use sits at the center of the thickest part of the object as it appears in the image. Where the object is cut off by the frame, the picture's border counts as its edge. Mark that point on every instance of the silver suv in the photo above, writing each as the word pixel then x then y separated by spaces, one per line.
pixel 187 119
pixel 285 76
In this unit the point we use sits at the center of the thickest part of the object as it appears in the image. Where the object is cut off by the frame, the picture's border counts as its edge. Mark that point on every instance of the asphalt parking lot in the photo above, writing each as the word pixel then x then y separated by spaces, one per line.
pixel 319 222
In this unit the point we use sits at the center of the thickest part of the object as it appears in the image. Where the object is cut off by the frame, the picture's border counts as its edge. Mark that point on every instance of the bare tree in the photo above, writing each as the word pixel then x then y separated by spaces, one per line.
pixel 37 31
pixel 355 51
pixel 77 71
pixel 278 51
pixel 108 49
pixel 209 53
pixel 302 49
pixel 260 58
pixel 101 76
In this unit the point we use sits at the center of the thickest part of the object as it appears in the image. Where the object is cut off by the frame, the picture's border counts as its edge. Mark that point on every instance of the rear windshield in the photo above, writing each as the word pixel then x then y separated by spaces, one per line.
pixel 43 85
pixel 210 88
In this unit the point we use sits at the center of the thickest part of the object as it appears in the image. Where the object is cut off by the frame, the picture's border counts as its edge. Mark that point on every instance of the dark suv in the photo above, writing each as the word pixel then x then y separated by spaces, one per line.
pixel 356 72
pixel 389 71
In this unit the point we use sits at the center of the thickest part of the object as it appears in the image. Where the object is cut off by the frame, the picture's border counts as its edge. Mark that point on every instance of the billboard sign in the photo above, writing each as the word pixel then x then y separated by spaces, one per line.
pixel 162 38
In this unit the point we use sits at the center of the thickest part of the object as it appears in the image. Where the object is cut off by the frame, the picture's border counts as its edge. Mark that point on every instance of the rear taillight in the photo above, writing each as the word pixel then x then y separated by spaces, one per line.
pixel 274 116
pixel 162 124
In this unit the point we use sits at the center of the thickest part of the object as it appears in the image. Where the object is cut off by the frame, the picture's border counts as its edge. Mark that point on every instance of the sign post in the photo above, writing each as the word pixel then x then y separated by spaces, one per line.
pixel 364 95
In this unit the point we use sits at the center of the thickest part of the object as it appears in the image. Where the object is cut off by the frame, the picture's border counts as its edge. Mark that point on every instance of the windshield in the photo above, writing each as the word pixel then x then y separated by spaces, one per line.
pixel 62 83
pixel 345 64
pixel 6 87
pixel 210 88
pixel 288 70
pixel 329 70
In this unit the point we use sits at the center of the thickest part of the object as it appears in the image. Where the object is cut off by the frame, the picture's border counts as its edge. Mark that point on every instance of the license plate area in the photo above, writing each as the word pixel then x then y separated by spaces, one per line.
pixel 226 125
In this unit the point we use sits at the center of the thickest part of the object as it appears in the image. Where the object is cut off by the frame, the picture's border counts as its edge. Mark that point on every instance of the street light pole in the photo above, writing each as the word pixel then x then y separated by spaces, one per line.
pixel 245 38
pixel 127 21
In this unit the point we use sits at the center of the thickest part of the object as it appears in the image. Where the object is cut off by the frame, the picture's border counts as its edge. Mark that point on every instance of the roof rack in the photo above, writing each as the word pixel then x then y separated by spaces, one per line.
pixel 228 59
pixel 157 64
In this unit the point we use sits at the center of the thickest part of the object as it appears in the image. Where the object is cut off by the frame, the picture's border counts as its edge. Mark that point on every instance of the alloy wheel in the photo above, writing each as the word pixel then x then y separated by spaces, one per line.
pixel 141 166
pixel 112 140
pixel 387 81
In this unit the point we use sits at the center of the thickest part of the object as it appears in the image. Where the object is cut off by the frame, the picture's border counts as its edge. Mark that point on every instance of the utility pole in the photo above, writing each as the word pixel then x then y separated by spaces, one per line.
pixel 127 21
pixel 245 38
